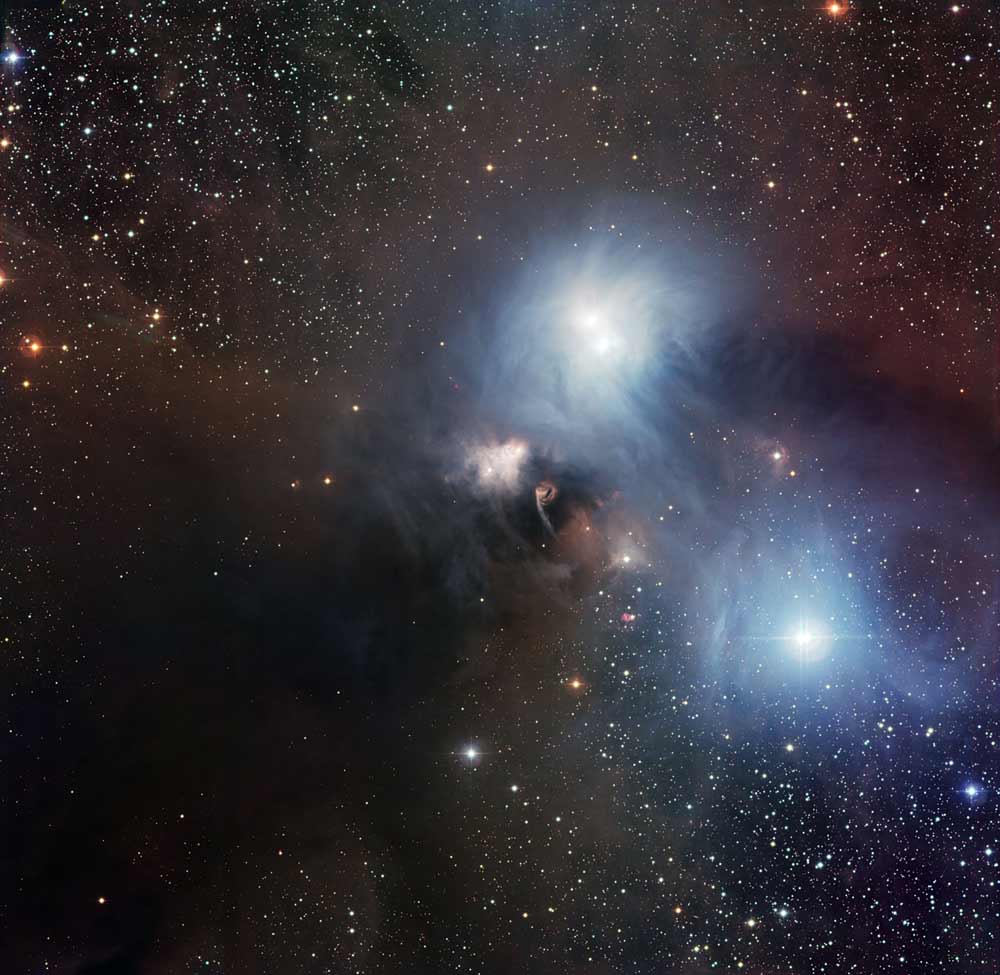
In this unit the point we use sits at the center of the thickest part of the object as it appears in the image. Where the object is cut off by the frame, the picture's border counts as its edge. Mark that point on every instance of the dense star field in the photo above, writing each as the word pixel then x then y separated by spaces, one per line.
pixel 500 487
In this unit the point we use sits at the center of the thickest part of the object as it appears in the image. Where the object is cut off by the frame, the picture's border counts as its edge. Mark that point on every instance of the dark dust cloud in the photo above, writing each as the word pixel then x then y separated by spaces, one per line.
pixel 499 488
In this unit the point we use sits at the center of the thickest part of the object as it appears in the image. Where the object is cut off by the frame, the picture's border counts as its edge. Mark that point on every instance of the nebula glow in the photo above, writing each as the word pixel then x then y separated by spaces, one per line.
pixel 586 344
pixel 497 466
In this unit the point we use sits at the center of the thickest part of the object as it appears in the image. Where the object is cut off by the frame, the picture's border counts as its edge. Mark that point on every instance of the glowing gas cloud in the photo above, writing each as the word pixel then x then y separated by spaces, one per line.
pixel 584 347
pixel 496 466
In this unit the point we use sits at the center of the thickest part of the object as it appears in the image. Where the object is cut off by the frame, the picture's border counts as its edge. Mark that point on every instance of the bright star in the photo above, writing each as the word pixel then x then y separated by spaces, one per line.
pixel 809 642
pixel 596 325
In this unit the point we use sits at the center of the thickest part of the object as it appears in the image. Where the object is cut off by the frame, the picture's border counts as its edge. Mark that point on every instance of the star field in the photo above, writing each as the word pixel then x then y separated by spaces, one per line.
pixel 499 488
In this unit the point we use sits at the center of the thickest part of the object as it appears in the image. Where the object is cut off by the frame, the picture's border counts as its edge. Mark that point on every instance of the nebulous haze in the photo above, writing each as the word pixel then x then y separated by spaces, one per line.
pixel 499 488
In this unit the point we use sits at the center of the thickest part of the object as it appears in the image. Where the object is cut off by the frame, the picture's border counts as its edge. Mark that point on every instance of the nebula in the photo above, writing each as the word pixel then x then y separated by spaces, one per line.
pixel 545 495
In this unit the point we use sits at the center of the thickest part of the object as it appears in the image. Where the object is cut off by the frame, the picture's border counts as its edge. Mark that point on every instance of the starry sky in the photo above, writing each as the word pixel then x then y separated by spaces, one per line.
pixel 499 487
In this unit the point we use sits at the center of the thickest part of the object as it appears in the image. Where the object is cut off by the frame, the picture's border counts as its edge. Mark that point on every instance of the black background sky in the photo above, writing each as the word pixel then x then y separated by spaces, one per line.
pixel 299 680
